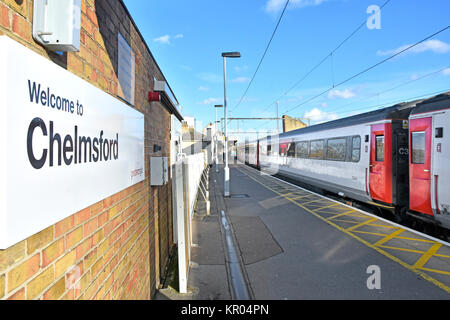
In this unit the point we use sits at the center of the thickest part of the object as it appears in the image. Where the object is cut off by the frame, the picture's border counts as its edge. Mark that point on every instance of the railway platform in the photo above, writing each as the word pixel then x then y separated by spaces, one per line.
pixel 294 244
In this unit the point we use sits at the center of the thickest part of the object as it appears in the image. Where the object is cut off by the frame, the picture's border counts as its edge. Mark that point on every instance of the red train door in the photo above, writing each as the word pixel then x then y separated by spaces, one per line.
pixel 380 169
pixel 420 165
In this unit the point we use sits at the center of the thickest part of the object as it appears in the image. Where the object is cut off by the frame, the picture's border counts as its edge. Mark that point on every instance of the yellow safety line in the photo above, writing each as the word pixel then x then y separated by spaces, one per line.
pixel 340 215
pixel 402 249
pixel 436 271
pixel 388 237
pixel 372 233
pixel 346 221
pixel 386 254
pixel 424 259
pixel 442 256
pixel 306 203
pixel 300 197
pixel 383 226
pixel 330 206
pixel 361 224
pixel 415 239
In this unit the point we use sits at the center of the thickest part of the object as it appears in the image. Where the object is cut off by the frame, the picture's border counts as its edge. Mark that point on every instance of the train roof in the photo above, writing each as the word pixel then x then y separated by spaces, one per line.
pixel 398 111
pixel 436 103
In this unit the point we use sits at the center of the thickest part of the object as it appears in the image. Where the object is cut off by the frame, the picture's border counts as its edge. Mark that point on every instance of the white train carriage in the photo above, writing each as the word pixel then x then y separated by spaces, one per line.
pixel 430 159
pixel 363 157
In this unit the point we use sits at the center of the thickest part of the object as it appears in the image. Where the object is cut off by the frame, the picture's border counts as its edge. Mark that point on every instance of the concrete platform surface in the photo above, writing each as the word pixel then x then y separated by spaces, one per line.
pixel 294 244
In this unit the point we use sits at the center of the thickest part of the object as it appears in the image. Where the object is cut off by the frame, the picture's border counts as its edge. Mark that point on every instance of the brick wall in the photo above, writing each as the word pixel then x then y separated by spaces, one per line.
pixel 118 248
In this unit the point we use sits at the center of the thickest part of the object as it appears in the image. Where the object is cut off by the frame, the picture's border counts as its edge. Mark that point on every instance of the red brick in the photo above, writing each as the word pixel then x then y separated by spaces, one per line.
pixel 21 27
pixel 52 252
pixel 90 227
pixel 4 17
pixel 82 216
pixel 23 272
pixel 63 226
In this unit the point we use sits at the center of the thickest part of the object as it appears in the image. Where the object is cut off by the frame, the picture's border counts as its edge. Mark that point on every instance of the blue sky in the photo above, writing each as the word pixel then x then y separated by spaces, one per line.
pixel 188 37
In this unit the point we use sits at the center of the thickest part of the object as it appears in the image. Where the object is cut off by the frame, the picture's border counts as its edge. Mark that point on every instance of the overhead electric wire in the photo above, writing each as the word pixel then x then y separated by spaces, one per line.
pixel 390 89
pixel 324 59
pixel 264 55
pixel 392 102
pixel 368 69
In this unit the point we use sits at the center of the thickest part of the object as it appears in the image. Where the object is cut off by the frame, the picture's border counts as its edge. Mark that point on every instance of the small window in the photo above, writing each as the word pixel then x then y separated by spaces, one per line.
pixel 336 149
pixel 302 150
pixel 269 149
pixel 317 149
pixel 291 150
pixel 418 147
pixel 380 149
pixel 356 149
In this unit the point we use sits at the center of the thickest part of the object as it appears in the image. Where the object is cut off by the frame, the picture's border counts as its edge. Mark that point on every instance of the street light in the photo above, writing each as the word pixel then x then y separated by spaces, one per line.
pixel 226 55
pixel 216 147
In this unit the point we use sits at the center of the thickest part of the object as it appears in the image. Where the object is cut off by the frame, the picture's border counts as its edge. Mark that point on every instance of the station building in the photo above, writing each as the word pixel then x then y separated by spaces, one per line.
pixel 117 245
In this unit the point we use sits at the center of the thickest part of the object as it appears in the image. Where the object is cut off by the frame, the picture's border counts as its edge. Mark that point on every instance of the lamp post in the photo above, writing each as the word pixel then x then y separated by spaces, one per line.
pixel 226 55
pixel 216 147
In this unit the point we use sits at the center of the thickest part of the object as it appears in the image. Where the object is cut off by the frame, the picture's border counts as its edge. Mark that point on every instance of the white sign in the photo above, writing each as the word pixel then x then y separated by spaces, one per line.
pixel 64 144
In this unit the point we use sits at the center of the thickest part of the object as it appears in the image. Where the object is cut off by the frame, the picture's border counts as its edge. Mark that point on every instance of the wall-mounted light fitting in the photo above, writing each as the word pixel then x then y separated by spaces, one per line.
pixel 57 24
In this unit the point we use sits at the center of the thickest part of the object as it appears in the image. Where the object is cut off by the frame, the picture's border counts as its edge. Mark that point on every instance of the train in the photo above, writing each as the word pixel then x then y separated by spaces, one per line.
pixel 396 159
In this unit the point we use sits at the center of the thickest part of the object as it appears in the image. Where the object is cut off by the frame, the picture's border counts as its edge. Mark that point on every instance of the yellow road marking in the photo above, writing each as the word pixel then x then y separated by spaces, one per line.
pixel 402 249
pixel 383 226
pixel 340 215
pixel 389 237
pixel 436 271
pixel 384 253
pixel 330 206
pixel 346 221
pixel 300 197
pixel 424 259
pixel 372 233
pixel 306 203
pixel 415 239
pixel 361 224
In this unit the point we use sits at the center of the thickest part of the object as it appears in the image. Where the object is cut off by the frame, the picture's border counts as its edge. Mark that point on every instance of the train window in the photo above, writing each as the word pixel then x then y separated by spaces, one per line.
pixel 418 147
pixel 291 150
pixel 356 149
pixel 317 149
pixel 380 149
pixel 302 149
pixel 269 149
pixel 336 149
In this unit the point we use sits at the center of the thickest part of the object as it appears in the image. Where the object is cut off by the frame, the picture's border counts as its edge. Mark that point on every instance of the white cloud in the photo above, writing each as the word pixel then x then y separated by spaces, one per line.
pixel 202 88
pixel 210 101
pixel 318 116
pixel 435 46
pixel 165 39
pixel 345 94
pixel 446 72
pixel 273 6
pixel 240 80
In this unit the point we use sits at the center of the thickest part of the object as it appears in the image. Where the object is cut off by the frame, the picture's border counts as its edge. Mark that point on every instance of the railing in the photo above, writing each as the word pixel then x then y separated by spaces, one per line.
pixel 188 175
